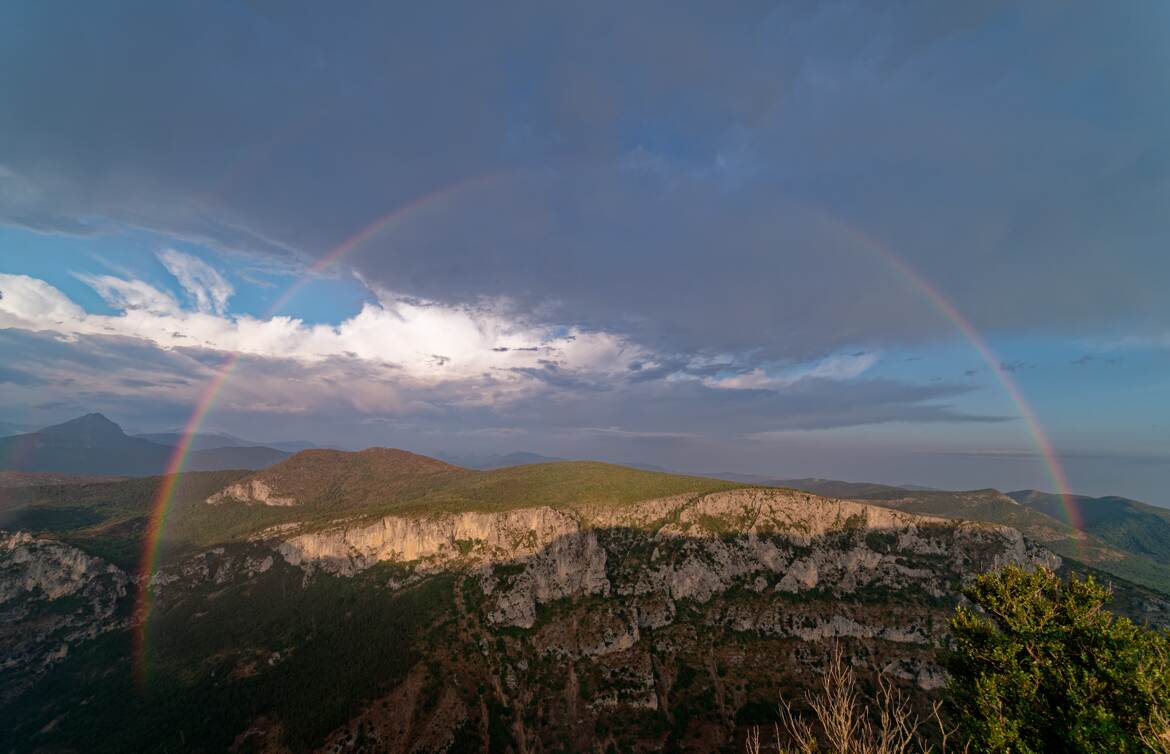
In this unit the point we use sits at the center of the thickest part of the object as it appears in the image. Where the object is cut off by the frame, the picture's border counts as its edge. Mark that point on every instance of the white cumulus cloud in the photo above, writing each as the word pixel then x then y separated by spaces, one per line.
pixel 423 342
pixel 836 367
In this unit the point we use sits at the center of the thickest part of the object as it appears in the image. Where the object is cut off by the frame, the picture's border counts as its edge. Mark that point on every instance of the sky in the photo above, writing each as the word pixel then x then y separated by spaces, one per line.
pixel 906 242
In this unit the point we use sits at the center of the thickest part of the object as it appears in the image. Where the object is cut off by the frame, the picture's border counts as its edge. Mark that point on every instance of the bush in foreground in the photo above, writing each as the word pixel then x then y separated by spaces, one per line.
pixel 1037 665
pixel 1042 666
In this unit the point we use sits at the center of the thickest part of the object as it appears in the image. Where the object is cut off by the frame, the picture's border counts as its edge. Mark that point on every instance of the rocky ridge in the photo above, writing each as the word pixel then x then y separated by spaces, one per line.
pixel 686 608
pixel 52 597
pixel 772 540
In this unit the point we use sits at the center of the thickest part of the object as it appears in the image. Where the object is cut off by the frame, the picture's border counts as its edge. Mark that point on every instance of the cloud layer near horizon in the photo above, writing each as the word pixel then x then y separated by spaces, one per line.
pixel 403 358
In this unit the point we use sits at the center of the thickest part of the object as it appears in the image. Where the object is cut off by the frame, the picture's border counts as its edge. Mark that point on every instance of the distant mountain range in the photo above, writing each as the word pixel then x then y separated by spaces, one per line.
pixel 835 488
pixel 1127 524
pixel 498 461
pixel 11 479
pixel 208 440
pixel 94 445
pixel 1123 537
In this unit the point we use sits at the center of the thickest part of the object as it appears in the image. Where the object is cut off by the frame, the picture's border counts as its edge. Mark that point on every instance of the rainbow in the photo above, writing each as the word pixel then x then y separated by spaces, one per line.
pixel 165 494
pixel 1051 460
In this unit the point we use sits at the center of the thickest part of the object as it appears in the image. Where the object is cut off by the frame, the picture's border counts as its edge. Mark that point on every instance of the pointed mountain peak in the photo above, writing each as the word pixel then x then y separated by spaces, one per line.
pixel 88 430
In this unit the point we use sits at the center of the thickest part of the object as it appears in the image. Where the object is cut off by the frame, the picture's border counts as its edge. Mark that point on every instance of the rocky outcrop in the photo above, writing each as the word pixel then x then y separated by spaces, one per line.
pixel 439 540
pixel 214 566
pixel 680 548
pixel 253 492
pixel 52 596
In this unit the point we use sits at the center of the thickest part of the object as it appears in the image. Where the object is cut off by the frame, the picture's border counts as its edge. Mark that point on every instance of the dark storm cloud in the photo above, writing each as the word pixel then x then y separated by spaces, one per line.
pixel 14 376
pixel 689 407
pixel 551 374
pixel 677 173
pixel 119 375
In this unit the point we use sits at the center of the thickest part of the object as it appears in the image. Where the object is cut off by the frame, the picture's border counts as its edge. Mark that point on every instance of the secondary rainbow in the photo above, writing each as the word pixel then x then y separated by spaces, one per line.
pixel 165 494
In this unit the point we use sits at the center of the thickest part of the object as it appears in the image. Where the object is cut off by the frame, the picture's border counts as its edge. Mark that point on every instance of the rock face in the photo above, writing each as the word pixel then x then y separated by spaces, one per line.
pixel 52 596
pixel 251 491
pixel 764 540
pixel 668 610
pixel 670 624
pixel 440 539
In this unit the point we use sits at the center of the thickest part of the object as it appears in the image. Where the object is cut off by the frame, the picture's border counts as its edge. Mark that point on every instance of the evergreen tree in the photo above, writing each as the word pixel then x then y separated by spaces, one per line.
pixel 1041 666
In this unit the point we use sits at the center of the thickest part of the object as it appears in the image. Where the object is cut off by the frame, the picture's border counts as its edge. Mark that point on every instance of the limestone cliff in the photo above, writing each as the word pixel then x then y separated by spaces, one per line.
pixel 582 625
pixel 774 540
pixel 52 596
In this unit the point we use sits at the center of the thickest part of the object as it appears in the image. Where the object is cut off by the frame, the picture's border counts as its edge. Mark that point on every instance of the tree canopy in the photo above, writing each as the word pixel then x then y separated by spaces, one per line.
pixel 1039 665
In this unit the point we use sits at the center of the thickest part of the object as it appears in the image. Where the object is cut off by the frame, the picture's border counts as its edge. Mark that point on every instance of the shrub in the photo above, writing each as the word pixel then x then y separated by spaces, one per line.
pixel 1042 666
pixel 844 721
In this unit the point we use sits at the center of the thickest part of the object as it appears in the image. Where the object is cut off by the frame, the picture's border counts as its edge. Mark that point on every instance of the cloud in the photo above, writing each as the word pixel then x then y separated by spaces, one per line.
pixel 13 376
pixel 836 367
pixel 410 337
pixel 152 360
pixel 677 207
pixel 677 176
pixel 119 293
pixel 202 282
pixel 1091 358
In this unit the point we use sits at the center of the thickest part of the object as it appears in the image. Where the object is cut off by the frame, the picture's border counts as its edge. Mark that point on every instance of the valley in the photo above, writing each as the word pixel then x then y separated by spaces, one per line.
pixel 386 601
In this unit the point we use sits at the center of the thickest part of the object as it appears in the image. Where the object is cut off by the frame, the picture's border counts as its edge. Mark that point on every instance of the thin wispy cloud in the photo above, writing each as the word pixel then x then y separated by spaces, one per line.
pixel 202 282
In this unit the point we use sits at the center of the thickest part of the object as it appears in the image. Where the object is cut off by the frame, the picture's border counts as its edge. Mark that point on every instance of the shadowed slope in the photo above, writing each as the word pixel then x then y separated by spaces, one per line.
pixel 1128 524
pixel 992 505
pixel 90 444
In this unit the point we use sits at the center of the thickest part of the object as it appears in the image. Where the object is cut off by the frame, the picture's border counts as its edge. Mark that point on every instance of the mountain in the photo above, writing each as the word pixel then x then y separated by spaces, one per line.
pixel 834 488
pixel 209 440
pixel 199 441
pixel 13 428
pixel 499 461
pixel 1120 555
pixel 93 445
pixel 331 478
pixel 386 601
pixel 247 457
pixel 1127 524
pixel 42 479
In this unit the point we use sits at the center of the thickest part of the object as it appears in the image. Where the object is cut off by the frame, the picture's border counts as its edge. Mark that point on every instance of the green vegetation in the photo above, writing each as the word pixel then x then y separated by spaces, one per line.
pixel 1128 550
pixel 109 519
pixel 1041 666
pixel 1127 524
pixel 335 479
pixel 881 541
pixel 1037 665
pixel 567 484
pixel 307 657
